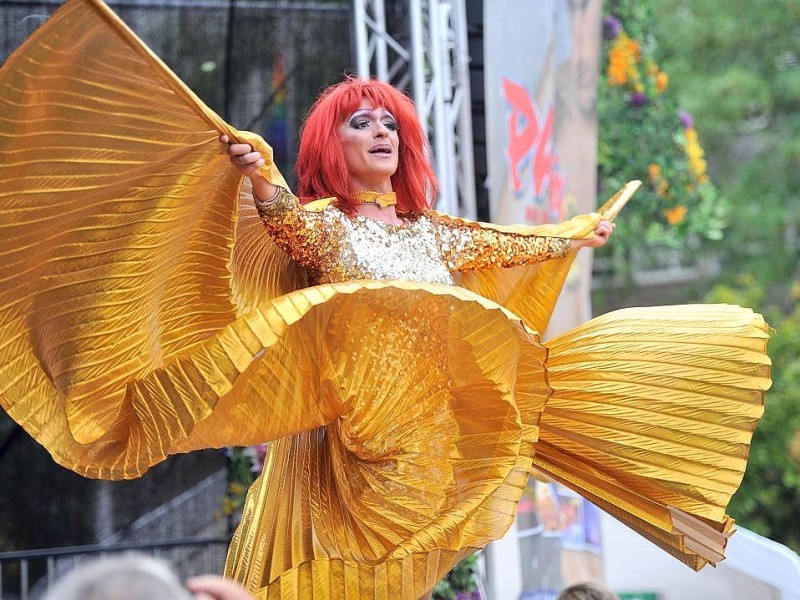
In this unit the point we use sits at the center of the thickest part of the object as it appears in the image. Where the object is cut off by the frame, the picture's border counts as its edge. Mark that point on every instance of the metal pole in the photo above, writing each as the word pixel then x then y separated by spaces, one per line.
pixel 418 62
pixel 51 571
pixel 23 578
pixel 440 128
pixel 360 26
pixel 381 56
pixel 466 160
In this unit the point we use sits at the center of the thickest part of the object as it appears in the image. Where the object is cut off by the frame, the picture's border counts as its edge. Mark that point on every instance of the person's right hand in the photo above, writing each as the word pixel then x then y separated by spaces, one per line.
pixel 242 156
pixel 248 162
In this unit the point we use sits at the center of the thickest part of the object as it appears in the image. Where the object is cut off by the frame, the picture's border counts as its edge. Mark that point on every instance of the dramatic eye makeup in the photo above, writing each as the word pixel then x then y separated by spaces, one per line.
pixel 362 119
pixel 358 121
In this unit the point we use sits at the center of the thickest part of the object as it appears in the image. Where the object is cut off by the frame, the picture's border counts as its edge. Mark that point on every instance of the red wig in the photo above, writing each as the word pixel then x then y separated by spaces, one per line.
pixel 321 168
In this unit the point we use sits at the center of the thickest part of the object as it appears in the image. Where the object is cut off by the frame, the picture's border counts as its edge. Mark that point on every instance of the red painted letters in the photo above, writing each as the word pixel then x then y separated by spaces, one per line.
pixel 529 139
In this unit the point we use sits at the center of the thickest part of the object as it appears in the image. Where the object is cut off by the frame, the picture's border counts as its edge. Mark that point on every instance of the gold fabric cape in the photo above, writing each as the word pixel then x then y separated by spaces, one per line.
pixel 143 312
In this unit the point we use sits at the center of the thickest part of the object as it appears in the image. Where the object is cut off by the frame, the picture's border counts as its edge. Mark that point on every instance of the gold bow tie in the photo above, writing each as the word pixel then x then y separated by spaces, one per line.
pixel 382 199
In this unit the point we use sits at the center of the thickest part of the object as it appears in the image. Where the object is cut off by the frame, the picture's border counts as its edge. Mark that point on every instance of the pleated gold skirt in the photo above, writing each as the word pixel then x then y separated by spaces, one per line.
pixel 432 457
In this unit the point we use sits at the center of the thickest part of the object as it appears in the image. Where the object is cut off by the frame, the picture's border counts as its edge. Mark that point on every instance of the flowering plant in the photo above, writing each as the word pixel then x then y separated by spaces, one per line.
pixel 643 135
pixel 244 465
pixel 460 583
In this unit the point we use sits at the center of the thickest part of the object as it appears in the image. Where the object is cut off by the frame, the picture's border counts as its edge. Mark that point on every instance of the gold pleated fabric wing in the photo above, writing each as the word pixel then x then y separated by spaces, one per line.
pixel 119 220
pixel 651 418
pixel 531 291
pixel 143 312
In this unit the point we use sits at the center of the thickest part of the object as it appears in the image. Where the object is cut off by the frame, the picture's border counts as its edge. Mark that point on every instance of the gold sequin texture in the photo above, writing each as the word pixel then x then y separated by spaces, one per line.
pixel 427 247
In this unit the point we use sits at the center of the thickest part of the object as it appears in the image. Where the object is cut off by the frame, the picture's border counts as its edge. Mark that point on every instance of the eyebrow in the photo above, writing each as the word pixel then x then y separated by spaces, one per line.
pixel 370 112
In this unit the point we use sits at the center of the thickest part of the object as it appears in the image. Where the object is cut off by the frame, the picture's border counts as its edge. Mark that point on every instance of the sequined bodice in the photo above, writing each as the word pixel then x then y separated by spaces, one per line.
pixel 427 247
pixel 377 250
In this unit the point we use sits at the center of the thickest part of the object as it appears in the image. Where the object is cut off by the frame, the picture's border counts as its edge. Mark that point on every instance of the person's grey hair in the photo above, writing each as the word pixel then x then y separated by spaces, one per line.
pixel 587 591
pixel 125 577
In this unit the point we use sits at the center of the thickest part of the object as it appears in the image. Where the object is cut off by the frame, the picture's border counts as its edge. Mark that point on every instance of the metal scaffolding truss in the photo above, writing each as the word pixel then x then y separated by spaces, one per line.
pixel 421 46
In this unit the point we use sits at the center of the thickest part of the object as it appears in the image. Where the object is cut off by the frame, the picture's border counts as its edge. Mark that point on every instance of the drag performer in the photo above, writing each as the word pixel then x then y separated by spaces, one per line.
pixel 145 312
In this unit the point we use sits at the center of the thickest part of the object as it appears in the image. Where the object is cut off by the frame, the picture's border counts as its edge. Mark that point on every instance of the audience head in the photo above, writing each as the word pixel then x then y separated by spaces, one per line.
pixel 126 577
pixel 587 591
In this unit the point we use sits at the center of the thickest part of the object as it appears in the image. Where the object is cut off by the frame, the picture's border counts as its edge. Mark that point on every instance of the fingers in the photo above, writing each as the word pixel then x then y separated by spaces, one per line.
pixel 245 158
pixel 212 587
pixel 602 232
pixel 242 156
pixel 605 229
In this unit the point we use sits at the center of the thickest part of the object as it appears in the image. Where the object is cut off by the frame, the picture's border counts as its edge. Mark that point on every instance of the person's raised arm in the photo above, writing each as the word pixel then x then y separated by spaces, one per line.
pixel 469 246
pixel 294 229
pixel 248 162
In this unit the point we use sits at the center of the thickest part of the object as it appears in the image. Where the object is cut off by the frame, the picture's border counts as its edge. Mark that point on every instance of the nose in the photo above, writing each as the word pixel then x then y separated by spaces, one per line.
pixel 381 130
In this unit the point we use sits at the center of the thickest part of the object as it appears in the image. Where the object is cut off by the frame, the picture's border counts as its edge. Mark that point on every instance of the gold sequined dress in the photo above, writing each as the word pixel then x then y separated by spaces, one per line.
pixel 145 312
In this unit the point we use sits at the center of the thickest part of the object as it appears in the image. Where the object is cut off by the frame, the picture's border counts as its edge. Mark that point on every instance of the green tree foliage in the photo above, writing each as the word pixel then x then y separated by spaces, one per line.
pixel 767 501
pixel 737 70
pixel 644 135
pixel 678 214
pixel 460 582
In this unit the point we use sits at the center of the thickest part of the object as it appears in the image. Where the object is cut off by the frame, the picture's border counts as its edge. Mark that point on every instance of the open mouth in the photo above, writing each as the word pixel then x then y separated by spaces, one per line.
pixel 382 150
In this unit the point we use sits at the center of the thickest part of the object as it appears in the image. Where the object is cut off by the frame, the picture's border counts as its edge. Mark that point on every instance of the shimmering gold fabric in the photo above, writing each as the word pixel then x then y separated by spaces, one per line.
pixel 382 199
pixel 143 312
pixel 333 246
pixel 651 418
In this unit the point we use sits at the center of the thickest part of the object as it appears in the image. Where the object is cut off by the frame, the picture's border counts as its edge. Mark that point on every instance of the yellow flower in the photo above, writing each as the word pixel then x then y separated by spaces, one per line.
pixel 794 446
pixel 228 506
pixel 675 215
pixel 746 279
pixel 623 57
pixel 635 49
pixel 657 181
pixel 696 155
pixel 617 67
pixel 237 489
pixel 662 80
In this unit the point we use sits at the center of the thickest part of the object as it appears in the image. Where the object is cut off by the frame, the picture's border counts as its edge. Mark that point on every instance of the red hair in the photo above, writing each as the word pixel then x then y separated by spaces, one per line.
pixel 321 168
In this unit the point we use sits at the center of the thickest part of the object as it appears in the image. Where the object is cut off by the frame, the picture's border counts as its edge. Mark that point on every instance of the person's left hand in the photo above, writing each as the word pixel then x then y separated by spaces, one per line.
pixel 602 233
pixel 213 587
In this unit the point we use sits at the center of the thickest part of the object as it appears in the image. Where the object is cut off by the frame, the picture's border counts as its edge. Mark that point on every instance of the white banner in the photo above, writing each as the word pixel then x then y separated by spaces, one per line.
pixel 541 67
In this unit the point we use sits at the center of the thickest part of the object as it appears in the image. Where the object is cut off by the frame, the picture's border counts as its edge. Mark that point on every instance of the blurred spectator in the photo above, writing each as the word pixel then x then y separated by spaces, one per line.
pixel 587 591
pixel 139 577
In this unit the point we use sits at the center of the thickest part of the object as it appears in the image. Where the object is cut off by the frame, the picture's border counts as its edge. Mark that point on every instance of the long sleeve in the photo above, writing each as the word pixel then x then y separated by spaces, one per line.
pixel 304 233
pixel 468 246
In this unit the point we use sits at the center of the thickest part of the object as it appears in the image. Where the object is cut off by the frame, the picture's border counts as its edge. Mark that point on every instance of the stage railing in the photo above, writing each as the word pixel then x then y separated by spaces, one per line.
pixel 26 574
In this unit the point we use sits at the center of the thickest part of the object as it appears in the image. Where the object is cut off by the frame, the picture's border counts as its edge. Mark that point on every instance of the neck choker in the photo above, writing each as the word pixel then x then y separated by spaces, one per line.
pixel 382 199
